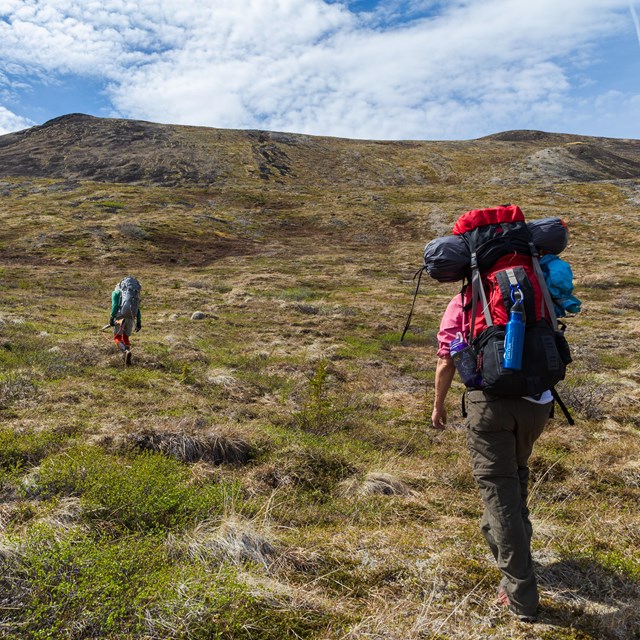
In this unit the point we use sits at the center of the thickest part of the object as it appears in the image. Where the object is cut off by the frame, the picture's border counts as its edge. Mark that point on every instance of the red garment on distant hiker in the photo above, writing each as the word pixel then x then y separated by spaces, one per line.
pixel 120 336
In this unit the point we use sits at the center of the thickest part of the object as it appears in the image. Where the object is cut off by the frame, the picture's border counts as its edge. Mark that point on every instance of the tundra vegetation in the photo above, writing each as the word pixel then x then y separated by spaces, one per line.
pixel 264 470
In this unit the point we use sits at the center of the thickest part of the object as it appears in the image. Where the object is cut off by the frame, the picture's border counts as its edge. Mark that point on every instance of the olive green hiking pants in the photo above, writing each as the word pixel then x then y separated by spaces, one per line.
pixel 500 435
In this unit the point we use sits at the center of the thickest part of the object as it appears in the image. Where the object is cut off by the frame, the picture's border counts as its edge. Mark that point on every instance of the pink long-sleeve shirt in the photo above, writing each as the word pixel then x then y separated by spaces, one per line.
pixel 453 321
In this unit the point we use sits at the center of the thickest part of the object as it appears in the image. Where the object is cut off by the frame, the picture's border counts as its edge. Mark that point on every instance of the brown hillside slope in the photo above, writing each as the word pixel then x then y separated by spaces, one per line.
pixel 264 470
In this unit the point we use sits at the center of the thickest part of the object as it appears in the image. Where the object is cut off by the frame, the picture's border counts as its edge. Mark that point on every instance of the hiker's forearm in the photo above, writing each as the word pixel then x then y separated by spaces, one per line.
pixel 445 370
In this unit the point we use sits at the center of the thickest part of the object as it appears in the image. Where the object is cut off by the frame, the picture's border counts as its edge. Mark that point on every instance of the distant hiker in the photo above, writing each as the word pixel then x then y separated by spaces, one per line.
pixel 502 335
pixel 125 314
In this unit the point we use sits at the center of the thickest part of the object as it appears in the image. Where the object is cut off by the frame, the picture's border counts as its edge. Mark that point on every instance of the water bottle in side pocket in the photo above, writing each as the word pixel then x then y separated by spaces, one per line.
pixel 466 361
pixel 514 334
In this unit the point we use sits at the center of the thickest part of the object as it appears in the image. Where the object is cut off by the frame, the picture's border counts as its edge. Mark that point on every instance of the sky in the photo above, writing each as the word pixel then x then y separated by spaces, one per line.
pixel 371 69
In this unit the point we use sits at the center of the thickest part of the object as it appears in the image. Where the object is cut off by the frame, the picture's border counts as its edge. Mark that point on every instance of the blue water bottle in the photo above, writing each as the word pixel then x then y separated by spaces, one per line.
pixel 466 361
pixel 514 333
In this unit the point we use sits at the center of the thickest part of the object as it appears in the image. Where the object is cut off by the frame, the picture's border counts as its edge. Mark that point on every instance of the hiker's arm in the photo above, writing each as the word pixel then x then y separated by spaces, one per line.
pixel 445 370
pixel 115 303
pixel 139 320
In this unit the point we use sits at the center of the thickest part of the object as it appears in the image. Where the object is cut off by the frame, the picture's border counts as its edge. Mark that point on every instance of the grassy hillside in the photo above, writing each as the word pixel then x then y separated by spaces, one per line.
pixel 265 472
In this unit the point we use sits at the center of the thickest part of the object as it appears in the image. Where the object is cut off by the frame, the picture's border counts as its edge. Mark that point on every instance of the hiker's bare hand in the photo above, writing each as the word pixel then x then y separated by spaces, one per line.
pixel 439 418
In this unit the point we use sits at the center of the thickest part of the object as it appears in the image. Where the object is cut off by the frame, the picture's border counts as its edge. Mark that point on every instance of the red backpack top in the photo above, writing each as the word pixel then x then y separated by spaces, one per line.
pixel 503 257
pixel 482 217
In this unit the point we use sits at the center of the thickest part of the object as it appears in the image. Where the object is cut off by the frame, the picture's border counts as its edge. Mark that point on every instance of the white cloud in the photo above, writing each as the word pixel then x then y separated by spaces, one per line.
pixel 636 22
pixel 11 122
pixel 471 67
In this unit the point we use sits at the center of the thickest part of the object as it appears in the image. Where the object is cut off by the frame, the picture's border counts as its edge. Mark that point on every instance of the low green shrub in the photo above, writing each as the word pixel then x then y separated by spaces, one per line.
pixel 137 378
pixel 111 204
pixel 21 449
pixel 147 491
pixel 615 563
pixel 81 585
pixel 298 294
pixel 322 412
pixel 359 347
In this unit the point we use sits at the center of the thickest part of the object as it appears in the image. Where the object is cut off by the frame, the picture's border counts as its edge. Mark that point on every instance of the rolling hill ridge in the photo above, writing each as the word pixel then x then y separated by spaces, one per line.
pixel 125 151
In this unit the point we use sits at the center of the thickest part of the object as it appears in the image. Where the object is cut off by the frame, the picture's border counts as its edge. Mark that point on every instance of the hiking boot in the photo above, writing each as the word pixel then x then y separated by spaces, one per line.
pixel 127 357
pixel 503 601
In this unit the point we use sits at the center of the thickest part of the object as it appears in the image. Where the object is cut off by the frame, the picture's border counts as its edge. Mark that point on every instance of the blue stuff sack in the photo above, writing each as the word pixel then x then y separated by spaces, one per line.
pixel 559 279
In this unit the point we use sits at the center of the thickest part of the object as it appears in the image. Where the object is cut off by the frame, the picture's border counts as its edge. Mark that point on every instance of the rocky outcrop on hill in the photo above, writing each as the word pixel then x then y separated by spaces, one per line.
pixel 581 162
pixel 108 150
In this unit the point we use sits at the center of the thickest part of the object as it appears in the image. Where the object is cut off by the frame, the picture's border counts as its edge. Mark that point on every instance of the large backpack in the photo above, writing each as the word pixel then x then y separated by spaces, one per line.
pixel 129 289
pixel 503 260
pixel 496 252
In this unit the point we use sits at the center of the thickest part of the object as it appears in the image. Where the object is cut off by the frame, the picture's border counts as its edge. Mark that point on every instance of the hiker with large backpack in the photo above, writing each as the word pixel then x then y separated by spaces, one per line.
pixel 502 335
pixel 125 314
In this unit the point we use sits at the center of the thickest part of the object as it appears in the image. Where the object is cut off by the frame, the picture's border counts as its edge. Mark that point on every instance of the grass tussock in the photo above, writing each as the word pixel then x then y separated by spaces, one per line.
pixel 232 540
pixel 375 484
pixel 193 447
pixel 16 388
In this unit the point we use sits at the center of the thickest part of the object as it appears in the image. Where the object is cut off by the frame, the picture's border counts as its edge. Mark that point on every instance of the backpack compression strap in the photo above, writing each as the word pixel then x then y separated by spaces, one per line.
pixel 546 296
pixel 477 293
